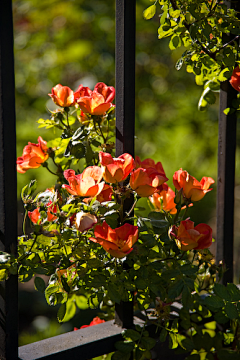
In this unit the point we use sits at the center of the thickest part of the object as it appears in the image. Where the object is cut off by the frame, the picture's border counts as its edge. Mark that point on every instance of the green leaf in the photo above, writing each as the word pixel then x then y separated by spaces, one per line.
pixel 70 310
pixel 173 344
pixel 81 302
pixel 222 291
pixel 3 274
pixel 114 293
pixel 124 347
pixel 163 335
pixel 214 301
pixel 118 355
pixel 234 292
pixel 51 290
pixel 61 312
pixel 176 289
pixel 39 284
pixel 221 318
pixel 231 311
pixel 28 190
pixel 175 42
pixel 149 12
pixel 148 343
pixel 131 334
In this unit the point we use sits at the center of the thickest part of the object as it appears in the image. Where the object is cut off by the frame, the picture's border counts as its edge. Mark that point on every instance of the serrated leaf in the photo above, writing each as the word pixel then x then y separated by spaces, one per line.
pixel 149 12
pixel 234 292
pixel 222 291
pixel 231 311
pixel 176 289
pixel 214 301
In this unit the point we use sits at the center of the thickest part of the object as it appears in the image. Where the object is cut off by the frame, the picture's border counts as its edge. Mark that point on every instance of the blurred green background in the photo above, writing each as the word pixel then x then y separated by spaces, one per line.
pixel 72 42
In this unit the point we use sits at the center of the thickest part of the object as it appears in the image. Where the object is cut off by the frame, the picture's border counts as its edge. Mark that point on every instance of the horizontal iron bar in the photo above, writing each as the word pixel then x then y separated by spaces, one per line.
pixel 90 342
pixel 80 344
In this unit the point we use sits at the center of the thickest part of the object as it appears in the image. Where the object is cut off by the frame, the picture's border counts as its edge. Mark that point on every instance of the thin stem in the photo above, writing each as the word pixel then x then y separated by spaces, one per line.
pixel 185 212
pixel 101 132
pixel 46 166
pixel 129 212
pixel 24 223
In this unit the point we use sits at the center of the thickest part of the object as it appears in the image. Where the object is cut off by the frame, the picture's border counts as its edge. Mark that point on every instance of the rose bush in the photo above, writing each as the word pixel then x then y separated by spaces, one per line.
pixel 96 252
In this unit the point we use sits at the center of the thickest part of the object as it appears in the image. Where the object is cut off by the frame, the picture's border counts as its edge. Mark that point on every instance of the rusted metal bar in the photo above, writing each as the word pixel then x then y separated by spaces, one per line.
pixel 8 185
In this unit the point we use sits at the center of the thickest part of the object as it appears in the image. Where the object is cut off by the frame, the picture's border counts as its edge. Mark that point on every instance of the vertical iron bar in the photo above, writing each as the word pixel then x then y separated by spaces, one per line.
pixel 226 180
pixel 125 75
pixel 125 107
pixel 8 185
pixel 226 174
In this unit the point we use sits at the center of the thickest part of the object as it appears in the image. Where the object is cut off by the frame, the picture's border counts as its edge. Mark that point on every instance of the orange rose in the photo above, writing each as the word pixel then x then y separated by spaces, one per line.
pixel 33 156
pixel 62 96
pixel 118 242
pixel 192 189
pixel 108 92
pixel 85 184
pixel 149 163
pixel 189 237
pixel 105 194
pixel 146 181
pixel 235 79
pixel 164 200
pixel 116 169
pixel 95 102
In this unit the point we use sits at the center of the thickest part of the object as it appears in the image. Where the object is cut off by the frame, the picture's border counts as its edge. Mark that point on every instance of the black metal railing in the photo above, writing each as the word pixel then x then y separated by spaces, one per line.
pixel 94 341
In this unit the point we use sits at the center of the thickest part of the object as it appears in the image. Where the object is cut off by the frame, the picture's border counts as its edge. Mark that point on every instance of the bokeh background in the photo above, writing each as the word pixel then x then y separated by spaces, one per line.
pixel 72 42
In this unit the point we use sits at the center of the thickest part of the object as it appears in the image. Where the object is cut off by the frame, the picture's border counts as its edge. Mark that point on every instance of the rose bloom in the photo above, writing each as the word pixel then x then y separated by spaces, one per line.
pixel 235 79
pixel 149 163
pixel 104 195
pixel 192 188
pixel 33 156
pixel 84 221
pixel 116 169
pixel 95 321
pixel 62 96
pixel 34 215
pixel 189 237
pixel 164 200
pixel 95 102
pixel 85 184
pixel 146 181
pixel 117 242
